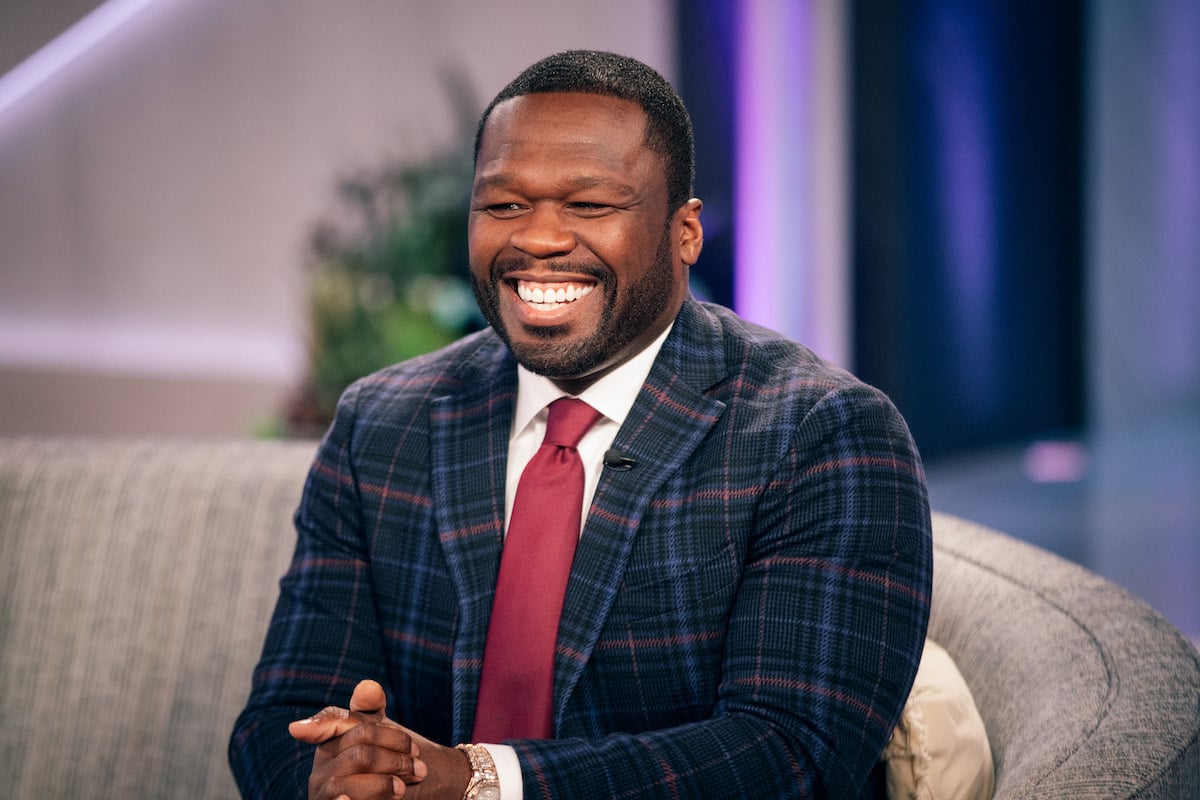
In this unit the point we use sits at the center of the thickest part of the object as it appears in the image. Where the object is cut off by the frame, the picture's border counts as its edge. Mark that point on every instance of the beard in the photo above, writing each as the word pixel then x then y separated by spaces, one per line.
pixel 621 321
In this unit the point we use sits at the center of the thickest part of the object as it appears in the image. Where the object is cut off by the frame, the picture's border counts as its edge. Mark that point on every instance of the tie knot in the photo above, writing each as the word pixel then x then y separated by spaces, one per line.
pixel 569 420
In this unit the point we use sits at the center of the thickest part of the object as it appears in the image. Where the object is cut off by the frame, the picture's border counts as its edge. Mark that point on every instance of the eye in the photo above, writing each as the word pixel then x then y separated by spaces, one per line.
pixel 504 210
pixel 586 209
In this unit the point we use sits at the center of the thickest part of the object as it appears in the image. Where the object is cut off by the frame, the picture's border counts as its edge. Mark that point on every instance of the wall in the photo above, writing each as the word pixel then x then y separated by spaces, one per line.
pixel 1144 299
pixel 1144 210
pixel 156 195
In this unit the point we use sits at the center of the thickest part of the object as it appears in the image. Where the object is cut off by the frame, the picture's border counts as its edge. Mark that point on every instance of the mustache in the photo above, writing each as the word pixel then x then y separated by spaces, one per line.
pixel 502 269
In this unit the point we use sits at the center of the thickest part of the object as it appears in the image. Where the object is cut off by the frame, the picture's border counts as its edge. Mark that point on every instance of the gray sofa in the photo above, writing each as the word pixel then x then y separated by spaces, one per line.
pixel 138 578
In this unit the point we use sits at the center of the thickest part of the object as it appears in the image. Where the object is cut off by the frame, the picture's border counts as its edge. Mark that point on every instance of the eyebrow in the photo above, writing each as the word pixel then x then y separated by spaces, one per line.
pixel 504 180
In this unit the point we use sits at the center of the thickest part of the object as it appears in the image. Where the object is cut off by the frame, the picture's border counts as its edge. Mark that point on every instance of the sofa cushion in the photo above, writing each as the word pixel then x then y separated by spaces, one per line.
pixel 939 748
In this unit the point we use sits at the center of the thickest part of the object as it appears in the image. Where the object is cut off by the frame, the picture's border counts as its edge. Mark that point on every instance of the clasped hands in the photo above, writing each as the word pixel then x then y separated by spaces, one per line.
pixel 363 755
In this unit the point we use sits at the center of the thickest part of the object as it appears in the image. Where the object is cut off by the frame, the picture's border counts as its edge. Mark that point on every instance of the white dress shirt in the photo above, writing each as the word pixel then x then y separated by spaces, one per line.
pixel 612 395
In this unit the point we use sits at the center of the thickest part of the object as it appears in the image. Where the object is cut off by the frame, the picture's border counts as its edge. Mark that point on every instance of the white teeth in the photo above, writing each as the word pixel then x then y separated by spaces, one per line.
pixel 552 296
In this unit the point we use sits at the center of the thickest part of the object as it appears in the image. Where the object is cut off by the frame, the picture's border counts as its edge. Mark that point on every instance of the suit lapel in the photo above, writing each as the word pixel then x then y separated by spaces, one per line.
pixel 469 431
pixel 669 419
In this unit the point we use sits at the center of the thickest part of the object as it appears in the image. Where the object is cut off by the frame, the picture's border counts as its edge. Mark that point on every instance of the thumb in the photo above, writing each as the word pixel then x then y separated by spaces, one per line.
pixel 368 698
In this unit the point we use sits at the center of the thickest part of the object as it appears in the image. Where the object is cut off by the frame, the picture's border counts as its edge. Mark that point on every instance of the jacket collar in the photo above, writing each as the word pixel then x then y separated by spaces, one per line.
pixel 469 432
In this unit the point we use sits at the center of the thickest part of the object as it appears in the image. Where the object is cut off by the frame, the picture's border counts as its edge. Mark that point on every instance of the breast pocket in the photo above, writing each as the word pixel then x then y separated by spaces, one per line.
pixel 684 588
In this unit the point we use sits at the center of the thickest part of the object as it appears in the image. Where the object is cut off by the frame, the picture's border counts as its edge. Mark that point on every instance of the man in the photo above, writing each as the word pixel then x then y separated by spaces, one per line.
pixel 748 599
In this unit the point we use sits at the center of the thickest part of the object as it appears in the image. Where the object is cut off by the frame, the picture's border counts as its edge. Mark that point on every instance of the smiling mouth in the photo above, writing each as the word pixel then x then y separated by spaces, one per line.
pixel 548 296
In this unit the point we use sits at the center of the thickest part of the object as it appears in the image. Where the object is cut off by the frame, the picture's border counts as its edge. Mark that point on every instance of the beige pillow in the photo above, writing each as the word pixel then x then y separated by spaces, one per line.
pixel 939 750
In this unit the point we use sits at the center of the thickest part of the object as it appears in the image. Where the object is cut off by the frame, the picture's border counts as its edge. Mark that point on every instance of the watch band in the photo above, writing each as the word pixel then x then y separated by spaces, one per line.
pixel 485 781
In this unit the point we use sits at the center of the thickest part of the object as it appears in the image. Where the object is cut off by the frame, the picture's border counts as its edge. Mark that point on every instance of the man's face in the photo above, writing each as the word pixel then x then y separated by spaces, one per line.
pixel 576 259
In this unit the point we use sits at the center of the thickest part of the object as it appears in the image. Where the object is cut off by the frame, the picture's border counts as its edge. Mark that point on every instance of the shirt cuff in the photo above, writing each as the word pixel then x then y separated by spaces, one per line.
pixel 508 770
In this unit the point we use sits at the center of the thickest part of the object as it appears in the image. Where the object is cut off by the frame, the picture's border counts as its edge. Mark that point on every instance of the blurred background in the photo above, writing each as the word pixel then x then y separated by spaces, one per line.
pixel 214 213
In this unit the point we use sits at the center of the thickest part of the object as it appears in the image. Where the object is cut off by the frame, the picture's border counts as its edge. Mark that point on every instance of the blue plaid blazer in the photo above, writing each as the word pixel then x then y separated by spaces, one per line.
pixel 747 605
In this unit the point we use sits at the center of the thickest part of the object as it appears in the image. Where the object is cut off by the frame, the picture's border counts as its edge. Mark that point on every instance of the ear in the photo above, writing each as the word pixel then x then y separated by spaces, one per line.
pixel 691 232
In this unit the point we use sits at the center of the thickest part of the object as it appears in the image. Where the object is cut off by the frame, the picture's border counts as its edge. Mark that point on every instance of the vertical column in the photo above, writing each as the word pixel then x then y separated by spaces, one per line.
pixel 791 266
pixel 1144 210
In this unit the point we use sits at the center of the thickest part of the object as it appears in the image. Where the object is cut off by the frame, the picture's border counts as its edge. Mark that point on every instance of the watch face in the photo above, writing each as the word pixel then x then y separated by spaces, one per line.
pixel 490 792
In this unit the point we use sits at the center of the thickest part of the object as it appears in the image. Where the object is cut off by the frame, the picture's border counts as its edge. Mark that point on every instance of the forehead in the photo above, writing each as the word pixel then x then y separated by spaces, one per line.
pixel 564 126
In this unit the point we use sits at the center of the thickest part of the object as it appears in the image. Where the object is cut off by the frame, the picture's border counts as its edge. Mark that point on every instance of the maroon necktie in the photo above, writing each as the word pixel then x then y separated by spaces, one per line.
pixel 516 688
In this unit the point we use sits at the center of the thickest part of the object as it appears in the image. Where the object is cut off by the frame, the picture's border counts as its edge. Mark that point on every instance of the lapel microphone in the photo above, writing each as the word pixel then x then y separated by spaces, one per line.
pixel 615 459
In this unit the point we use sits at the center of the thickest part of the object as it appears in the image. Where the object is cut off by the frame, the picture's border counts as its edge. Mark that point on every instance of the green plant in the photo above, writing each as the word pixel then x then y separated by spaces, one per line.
pixel 388 278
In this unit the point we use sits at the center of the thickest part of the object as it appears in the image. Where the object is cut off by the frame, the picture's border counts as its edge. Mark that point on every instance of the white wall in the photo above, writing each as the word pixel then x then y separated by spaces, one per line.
pixel 156 195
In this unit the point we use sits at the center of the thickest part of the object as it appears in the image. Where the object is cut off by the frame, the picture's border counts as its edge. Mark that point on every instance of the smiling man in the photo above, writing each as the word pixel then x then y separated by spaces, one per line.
pixel 620 544
pixel 579 255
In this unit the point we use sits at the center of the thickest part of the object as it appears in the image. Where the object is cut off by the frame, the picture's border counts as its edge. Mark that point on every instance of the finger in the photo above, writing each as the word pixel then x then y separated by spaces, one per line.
pixel 324 725
pixel 369 698
pixel 374 733
pixel 373 760
pixel 361 787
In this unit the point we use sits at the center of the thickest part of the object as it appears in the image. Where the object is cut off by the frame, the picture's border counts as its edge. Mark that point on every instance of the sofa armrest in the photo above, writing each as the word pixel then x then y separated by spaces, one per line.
pixel 1086 691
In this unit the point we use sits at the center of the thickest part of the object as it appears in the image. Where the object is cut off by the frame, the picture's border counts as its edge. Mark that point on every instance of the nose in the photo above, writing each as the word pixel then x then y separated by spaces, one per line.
pixel 543 234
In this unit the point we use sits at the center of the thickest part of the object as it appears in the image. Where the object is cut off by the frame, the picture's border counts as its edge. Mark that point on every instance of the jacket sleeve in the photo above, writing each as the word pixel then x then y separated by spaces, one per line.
pixel 323 636
pixel 824 636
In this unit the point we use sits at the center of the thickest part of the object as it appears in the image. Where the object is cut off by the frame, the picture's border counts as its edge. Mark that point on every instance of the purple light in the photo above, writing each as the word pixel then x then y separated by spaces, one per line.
pixel 773 180
pixel 51 59
pixel 791 271
pixel 960 98
pixel 1055 462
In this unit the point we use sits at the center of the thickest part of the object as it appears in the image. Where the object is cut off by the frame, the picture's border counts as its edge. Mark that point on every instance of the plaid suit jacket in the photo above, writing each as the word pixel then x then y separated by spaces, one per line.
pixel 746 608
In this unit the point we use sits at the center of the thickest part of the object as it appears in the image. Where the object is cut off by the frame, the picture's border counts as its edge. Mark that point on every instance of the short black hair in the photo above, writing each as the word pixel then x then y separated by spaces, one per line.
pixel 668 126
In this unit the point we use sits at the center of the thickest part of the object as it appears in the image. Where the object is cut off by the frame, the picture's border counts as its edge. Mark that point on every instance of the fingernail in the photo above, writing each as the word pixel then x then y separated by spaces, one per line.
pixel 420 769
pixel 397 785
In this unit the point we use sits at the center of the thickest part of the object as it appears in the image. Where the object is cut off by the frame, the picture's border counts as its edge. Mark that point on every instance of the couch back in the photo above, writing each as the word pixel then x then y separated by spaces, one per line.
pixel 137 579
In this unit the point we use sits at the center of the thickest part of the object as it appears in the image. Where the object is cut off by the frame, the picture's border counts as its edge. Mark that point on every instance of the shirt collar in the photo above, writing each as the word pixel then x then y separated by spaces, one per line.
pixel 612 395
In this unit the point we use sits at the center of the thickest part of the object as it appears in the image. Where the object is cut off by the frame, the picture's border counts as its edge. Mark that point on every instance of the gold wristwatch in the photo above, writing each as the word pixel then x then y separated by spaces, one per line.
pixel 485 782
